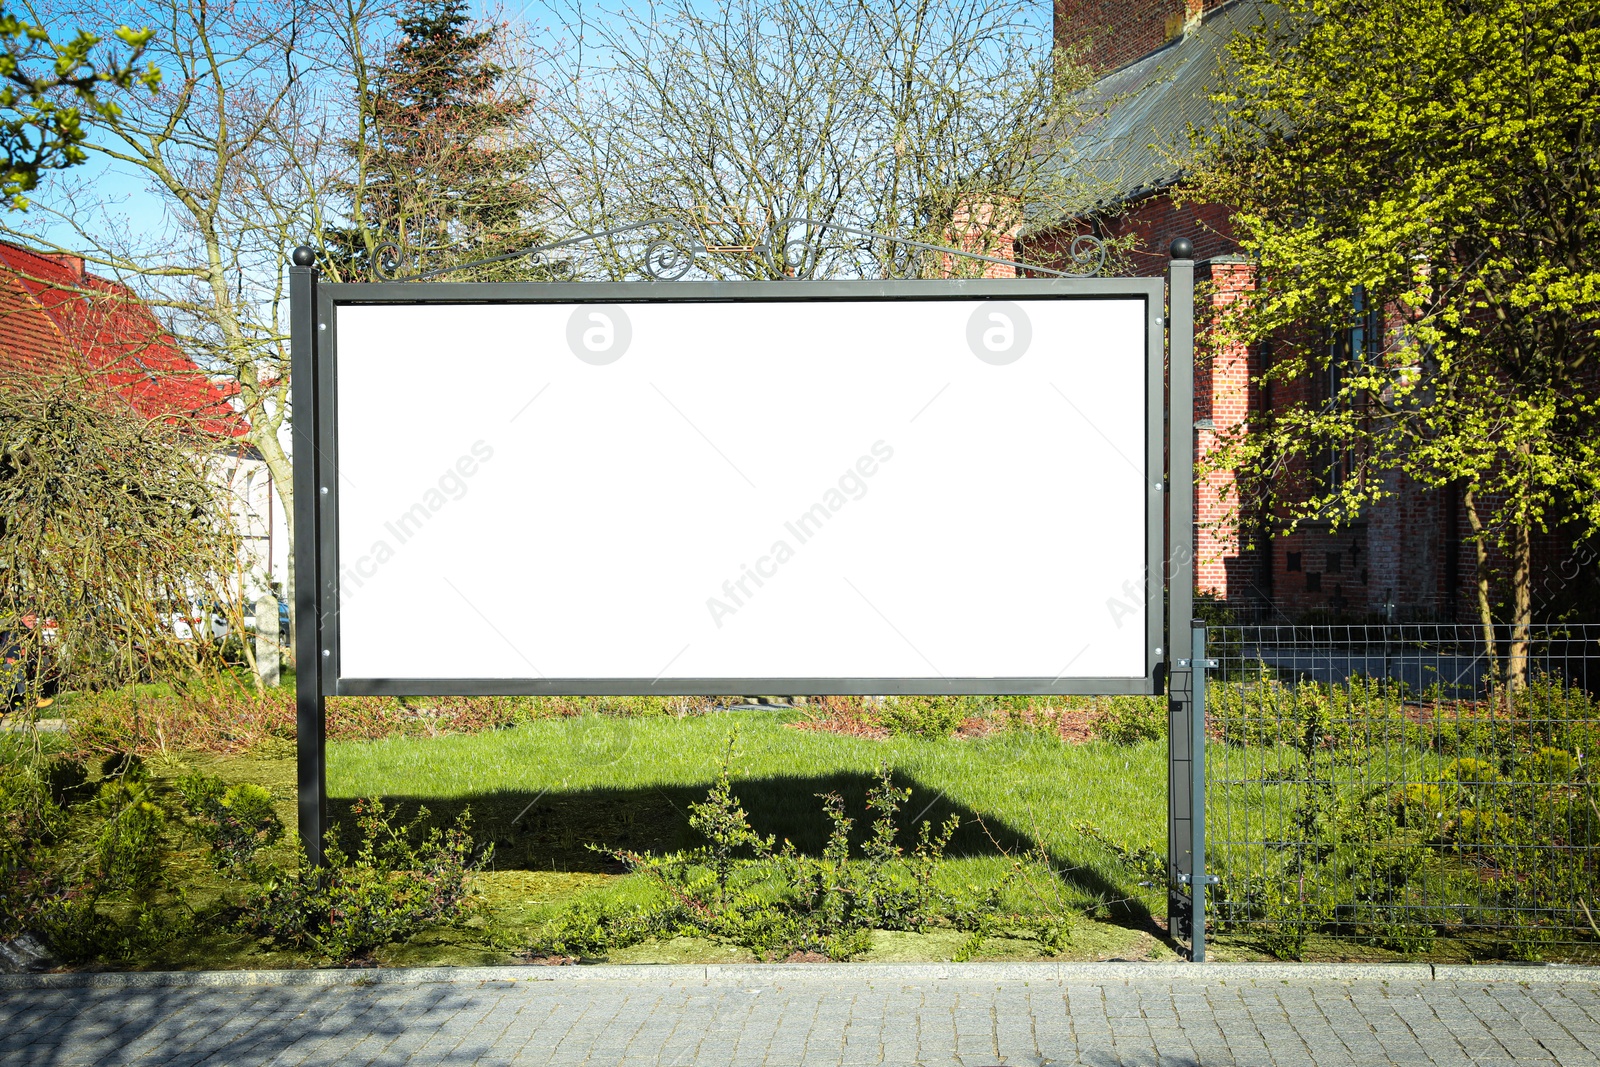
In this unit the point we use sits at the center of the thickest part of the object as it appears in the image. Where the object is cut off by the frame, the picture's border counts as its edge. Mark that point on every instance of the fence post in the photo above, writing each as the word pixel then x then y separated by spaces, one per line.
pixel 1198 879
pixel 310 717
pixel 1180 579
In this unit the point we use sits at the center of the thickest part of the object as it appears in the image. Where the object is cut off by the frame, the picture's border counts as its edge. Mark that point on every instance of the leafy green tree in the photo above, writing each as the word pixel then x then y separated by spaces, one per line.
pixel 45 87
pixel 442 168
pixel 1436 160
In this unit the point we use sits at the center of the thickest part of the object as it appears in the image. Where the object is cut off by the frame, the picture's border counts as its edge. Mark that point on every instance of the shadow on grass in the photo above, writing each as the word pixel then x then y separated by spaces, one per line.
pixel 553 830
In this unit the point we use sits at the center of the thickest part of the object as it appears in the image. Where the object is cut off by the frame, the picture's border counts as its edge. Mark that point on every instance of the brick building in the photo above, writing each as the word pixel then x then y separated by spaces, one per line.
pixel 1409 557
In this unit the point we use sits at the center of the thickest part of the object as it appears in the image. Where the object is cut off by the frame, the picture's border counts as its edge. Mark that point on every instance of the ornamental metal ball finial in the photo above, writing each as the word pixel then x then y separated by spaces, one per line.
pixel 1182 248
pixel 303 256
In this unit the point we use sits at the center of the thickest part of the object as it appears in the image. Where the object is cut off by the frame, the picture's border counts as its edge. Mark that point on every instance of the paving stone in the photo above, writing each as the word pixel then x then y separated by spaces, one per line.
pixel 799 1021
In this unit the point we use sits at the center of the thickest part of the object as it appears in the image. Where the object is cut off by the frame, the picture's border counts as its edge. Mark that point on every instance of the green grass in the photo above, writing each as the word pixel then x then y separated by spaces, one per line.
pixel 546 790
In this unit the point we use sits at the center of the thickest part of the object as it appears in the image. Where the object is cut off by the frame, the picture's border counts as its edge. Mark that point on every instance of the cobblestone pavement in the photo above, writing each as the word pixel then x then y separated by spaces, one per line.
pixel 800 1017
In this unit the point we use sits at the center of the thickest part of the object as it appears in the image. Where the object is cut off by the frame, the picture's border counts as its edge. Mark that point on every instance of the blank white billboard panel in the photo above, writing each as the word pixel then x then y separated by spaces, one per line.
pixel 824 490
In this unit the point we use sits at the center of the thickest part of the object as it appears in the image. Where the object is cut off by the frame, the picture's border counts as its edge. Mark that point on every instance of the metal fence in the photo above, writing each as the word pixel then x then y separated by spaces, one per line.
pixel 1405 787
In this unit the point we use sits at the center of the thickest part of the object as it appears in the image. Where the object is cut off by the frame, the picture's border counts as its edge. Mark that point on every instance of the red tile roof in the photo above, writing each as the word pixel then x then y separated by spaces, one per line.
pixel 56 317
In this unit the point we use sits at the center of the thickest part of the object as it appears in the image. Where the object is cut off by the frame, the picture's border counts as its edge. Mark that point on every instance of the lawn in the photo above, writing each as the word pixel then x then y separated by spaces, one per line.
pixel 545 791
pixel 1046 826
pixel 1060 810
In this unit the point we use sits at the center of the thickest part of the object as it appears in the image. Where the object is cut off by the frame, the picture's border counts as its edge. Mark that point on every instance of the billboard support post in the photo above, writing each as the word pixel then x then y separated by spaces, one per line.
pixel 310 717
pixel 1180 582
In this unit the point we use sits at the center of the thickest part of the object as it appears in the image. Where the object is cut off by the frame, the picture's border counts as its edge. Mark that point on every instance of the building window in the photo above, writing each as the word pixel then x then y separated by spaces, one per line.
pixel 1335 562
pixel 1314 582
pixel 1294 561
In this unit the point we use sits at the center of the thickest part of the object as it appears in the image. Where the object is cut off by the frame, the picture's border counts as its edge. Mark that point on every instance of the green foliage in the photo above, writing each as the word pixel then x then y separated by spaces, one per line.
pixel 65 778
pixel 775 900
pixel 128 848
pixel 30 820
pixel 237 821
pixel 38 131
pixel 98 869
pixel 1310 716
pixel 83 863
pixel 400 880
pixel 1128 720
pixel 1430 164
pixel 1398 818
pixel 442 169
pixel 924 716
pixel 1144 862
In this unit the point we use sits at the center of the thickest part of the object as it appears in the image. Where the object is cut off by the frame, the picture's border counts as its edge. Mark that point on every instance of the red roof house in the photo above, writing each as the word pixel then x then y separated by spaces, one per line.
pixel 57 318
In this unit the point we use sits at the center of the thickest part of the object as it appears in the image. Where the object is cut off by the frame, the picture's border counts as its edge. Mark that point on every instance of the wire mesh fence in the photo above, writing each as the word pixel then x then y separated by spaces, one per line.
pixel 1401 784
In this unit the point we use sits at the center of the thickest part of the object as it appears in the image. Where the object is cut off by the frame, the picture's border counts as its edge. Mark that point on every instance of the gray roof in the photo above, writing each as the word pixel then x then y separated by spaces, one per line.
pixel 1137 127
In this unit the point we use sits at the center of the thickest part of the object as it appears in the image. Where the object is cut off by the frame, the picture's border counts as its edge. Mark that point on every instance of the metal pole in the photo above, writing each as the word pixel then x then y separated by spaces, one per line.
pixel 1198 879
pixel 1180 579
pixel 310 717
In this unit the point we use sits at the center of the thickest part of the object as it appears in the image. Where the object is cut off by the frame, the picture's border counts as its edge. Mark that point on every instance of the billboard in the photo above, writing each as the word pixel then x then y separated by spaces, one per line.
pixel 898 487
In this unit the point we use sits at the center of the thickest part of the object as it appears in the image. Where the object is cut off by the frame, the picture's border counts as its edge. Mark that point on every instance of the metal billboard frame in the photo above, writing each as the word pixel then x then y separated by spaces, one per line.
pixel 1168 523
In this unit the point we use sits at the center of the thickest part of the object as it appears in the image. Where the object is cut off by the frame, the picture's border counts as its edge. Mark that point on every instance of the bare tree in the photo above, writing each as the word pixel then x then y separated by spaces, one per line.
pixel 784 129
pixel 236 145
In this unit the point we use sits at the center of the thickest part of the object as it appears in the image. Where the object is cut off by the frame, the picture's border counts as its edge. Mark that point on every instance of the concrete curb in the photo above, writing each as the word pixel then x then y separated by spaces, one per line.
pixel 778 974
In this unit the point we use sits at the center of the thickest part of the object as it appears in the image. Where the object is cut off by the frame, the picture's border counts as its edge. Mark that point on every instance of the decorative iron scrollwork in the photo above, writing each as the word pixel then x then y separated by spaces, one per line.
pixel 672 256
pixel 386 261
pixel 665 261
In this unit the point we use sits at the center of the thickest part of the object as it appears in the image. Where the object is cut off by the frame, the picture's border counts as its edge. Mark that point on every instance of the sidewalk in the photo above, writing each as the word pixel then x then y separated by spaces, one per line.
pixel 1104 1015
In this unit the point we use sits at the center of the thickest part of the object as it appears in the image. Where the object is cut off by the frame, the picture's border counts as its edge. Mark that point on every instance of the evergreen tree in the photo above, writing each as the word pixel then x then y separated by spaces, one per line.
pixel 442 173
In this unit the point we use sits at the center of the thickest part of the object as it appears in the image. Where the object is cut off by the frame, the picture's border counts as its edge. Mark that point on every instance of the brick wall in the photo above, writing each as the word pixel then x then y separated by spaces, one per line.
pixel 1225 566
pixel 987 230
pixel 1114 33
pixel 1148 227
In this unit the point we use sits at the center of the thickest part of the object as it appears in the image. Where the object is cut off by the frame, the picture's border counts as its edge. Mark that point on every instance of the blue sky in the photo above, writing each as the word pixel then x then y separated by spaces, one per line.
pixel 124 192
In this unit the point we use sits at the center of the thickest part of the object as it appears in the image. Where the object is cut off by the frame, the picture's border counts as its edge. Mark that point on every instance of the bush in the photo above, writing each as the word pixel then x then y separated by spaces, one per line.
pixel 81 865
pixel 746 889
pixel 30 820
pixel 1395 818
pixel 236 822
pixel 90 868
pixel 128 848
pixel 932 718
pixel 1128 720
pixel 111 530
pixel 400 881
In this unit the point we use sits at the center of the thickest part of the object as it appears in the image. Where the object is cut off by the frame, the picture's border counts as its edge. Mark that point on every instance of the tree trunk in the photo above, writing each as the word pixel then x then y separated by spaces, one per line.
pixel 282 470
pixel 1491 652
pixel 1521 606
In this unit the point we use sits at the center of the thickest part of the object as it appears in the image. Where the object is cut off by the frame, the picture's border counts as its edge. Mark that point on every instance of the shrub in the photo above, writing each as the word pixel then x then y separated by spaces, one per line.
pixel 66 779
pixel 30 819
pixel 1128 720
pixel 128 849
pixel 400 880
pixel 236 822
pixel 747 889
pixel 111 530
pixel 932 718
